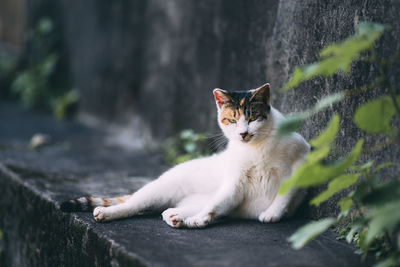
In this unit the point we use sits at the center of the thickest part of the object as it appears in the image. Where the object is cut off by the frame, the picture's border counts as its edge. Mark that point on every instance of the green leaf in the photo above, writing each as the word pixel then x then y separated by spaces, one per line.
pixel 327 101
pixel 322 143
pixel 375 116
pixel 312 174
pixel 364 167
pixel 383 219
pixel 345 203
pixel 186 134
pixel 190 147
pixel 364 187
pixel 318 154
pixel 367 34
pixel 47 66
pixel 329 134
pixel 183 158
pixel 383 165
pixel 185 146
pixel 338 56
pixel 336 185
pixel 392 261
pixel 383 194
pixel 354 229
pixel 45 26
pixel 291 123
pixel 308 232
pixel 294 122
pixel 62 103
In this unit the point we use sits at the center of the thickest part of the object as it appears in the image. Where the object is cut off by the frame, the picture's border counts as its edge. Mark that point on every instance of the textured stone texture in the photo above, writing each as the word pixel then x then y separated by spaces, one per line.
pixel 301 30
pixel 37 233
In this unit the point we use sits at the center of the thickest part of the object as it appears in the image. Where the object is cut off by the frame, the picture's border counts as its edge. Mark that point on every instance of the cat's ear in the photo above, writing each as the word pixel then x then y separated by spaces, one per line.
pixel 261 94
pixel 221 97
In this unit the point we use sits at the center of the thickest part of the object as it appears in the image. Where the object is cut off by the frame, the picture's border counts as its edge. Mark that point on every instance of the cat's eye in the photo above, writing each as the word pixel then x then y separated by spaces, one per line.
pixel 232 120
pixel 253 118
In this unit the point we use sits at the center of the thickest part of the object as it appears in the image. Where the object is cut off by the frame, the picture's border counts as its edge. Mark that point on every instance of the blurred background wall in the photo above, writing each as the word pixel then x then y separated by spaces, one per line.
pixel 150 66
pixel 159 60
pixel 12 25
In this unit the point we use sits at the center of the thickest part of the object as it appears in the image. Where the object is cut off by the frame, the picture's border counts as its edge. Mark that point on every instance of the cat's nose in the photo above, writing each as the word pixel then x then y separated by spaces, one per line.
pixel 243 135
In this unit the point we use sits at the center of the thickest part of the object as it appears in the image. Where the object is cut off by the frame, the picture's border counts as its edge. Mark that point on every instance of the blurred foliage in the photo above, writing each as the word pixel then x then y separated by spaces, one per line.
pixel 370 213
pixel 338 56
pixel 309 231
pixel 185 146
pixel 37 80
pixel 294 122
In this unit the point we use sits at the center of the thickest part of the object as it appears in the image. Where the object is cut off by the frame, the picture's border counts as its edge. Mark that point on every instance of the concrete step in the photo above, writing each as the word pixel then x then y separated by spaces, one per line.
pixel 36 233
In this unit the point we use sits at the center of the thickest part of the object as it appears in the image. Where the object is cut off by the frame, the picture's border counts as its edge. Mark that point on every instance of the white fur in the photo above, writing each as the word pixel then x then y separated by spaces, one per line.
pixel 242 181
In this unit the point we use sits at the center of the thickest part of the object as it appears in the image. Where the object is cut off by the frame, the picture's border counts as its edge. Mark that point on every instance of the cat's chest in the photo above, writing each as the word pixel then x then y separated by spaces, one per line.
pixel 264 168
pixel 260 172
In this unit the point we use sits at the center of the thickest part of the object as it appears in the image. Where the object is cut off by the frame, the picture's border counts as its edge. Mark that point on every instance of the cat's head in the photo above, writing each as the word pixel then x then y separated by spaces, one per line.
pixel 244 115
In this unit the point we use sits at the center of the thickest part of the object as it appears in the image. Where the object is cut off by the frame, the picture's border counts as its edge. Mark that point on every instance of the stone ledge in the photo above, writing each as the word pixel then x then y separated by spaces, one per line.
pixel 37 233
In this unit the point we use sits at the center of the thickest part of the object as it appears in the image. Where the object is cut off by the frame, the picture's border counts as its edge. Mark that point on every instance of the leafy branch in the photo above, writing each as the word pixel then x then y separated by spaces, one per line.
pixel 371 209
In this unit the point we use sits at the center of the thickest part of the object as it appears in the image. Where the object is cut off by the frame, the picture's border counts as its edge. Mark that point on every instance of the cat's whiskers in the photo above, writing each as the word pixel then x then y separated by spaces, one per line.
pixel 218 144
pixel 217 141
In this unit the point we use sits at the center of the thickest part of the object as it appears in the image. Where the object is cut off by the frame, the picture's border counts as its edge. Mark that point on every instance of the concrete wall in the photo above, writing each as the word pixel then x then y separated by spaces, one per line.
pixel 151 65
pixel 301 30
pixel 159 60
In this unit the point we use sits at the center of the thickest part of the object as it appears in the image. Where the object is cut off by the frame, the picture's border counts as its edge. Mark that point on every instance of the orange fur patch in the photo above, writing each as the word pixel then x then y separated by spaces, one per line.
pixel 238 114
pixel 229 113
pixel 119 199
pixel 106 203
pixel 242 101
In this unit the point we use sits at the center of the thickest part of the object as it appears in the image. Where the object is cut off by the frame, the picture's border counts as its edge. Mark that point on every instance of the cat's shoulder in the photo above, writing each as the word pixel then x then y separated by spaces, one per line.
pixel 293 144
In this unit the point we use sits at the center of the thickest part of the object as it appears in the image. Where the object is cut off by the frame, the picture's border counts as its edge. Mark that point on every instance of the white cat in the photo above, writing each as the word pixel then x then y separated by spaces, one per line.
pixel 241 181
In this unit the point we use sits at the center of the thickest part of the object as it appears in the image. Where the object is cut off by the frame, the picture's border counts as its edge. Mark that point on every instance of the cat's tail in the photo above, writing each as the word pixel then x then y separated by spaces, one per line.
pixel 89 203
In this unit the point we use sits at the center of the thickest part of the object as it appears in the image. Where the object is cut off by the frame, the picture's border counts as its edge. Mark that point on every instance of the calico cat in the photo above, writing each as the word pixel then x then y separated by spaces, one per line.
pixel 241 181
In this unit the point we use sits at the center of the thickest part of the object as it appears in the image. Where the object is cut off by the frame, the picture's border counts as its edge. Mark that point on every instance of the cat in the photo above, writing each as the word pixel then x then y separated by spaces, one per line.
pixel 242 181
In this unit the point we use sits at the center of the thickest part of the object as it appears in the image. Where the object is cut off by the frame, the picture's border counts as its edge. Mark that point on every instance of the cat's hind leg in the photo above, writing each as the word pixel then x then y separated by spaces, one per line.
pixel 167 191
pixel 188 207
pixel 283 206
pixel 163 192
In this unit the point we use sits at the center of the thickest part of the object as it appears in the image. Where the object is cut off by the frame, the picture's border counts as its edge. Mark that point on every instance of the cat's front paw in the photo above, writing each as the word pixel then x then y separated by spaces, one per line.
pixel 100 214
pixel 198 221
pixel 270 216
pixel 172 218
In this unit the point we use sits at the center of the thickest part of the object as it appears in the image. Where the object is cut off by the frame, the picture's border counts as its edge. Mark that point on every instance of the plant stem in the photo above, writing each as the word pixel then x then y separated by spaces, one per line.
pixel 356 91
pixel 393 58
pixel 383 67
pixel 394 100
pixel 381 145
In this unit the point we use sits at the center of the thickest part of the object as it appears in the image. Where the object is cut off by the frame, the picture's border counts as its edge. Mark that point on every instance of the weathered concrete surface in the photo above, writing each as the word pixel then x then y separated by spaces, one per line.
pixel 302 28
pixel 37 233
pixel 74 149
